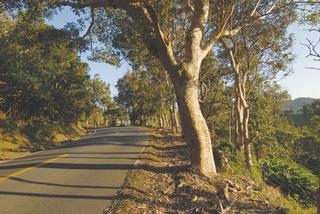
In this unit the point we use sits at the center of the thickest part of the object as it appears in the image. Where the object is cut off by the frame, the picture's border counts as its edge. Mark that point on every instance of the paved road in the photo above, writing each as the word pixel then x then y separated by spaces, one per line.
pixel 80 177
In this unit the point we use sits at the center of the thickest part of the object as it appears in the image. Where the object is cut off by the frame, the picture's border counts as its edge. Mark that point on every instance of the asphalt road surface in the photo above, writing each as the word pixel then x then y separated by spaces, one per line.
pixel 79 177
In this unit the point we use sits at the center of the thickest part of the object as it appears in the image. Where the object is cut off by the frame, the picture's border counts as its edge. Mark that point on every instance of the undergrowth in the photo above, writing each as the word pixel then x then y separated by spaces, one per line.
pixel 17 138
pixel 297 197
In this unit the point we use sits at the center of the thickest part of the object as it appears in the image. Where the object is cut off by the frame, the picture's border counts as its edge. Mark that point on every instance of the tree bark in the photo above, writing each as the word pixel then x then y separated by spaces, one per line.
pixel 177 121
pixel 241 106
pixel 247 139
pixel 242 114
pixel 196 48
pixel 159 120
pixel 163 121
pixel 174 125
pixel 165 118
pixel 194 126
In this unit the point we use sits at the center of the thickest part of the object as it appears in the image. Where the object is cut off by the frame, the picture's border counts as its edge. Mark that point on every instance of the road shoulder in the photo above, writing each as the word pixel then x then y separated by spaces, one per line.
pixel 163 182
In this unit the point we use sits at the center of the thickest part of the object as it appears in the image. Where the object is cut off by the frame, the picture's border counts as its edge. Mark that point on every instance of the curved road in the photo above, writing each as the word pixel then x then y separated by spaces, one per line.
pixel 79 177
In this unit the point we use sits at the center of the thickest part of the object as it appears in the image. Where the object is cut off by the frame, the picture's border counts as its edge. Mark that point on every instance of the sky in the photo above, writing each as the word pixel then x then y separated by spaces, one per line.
pixel 302 82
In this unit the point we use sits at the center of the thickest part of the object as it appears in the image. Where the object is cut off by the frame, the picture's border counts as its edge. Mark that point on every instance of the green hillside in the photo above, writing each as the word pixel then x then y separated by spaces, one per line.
pixel 298 103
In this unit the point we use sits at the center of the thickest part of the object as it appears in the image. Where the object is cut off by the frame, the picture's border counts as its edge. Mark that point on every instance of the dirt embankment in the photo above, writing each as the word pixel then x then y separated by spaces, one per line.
pixel 162 182
pixel 14 145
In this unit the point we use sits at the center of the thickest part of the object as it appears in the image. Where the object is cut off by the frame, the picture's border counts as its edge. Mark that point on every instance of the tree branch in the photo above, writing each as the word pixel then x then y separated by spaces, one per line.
pixel 82 4
pixel 90 26
pixel 196 32
pixel 216 35
pixel 144 14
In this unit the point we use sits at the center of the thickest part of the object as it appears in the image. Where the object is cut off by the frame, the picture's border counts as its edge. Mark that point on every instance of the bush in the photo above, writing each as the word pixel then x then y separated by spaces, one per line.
pixel 308 152
pixel 42 129
pixel 223 151
pixel 10 126
pixel 293 180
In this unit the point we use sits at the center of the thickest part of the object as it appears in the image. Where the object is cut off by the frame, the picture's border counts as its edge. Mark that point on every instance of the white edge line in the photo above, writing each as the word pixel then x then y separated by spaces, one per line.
pixel 142 150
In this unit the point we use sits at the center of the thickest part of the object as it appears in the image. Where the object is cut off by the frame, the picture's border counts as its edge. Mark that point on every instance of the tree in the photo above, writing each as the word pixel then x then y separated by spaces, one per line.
pixel 256 55
pixel 101 94
pixel 100 102
pixel 43 76
pixel 215 96
pixel 138 96
pixel 308 146
pixel 276 133
pixel 310 15
pixel 116 114
pixel 199 25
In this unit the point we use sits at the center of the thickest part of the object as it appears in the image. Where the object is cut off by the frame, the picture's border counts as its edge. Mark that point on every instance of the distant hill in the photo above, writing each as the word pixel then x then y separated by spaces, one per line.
pixel 298 103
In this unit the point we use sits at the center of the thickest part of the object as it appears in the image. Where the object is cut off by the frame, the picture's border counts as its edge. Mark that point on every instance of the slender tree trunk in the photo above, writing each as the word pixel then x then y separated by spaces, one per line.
pixel 238 123
pixel 159 120
pixel 194 126
pixel 171 123
pixel 318 199
pixel 174 124
pixel 166 120
pixel 247 140
pixel 176 117
pixel 163 121
pixel 242 115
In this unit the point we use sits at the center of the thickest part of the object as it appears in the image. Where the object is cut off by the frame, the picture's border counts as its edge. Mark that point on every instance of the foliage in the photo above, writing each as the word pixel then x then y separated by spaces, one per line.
pixel 310 15
pixel 116 114
pixel 297 104
pixel 42 75
pixel 45 85
pixel 42 129
pixel 134 95
pixel 271 130
pixel 100 93
pixel 145 94
pixel 307 147
pixel 215 96
pixel 293 180
pixel 100 102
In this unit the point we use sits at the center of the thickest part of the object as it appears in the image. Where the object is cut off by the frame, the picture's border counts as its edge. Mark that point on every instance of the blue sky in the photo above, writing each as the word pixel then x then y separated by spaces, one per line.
pixel 302 82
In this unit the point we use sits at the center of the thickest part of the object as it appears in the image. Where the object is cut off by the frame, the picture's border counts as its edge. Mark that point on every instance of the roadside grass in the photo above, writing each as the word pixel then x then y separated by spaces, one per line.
pixel 18 142
pixel 236 171
pixel 159 184
pixel 11 145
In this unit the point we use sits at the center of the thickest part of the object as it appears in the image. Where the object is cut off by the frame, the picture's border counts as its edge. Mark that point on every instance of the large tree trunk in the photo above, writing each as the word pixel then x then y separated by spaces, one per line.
pixel 194 126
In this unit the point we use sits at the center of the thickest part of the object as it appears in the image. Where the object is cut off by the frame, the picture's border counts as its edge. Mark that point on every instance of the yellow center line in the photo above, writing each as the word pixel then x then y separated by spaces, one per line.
pixel 30 168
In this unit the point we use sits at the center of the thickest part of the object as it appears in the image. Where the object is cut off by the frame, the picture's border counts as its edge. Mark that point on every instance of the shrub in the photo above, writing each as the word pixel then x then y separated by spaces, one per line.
pixel 293 180
pixel 10 126
pixel 223 152
pixel 42 128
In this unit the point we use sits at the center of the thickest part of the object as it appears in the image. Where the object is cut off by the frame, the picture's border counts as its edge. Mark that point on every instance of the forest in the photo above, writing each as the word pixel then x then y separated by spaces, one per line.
pixel 207 74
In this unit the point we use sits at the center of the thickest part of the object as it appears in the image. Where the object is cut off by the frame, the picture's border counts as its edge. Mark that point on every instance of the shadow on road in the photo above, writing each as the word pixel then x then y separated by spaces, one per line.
pixel 127 139
pixel 42 195
pixel 83 166
pixel 61 185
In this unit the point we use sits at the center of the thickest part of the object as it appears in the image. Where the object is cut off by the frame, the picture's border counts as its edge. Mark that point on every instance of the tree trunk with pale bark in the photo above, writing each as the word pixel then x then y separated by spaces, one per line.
pixel 242 115
pixel 194 126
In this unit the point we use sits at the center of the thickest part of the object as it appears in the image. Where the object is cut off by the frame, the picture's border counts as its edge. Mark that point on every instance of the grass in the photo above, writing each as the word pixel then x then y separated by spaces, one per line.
pixel 14 144
pixel 11 145
pixel 236 170
pixel 275 196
